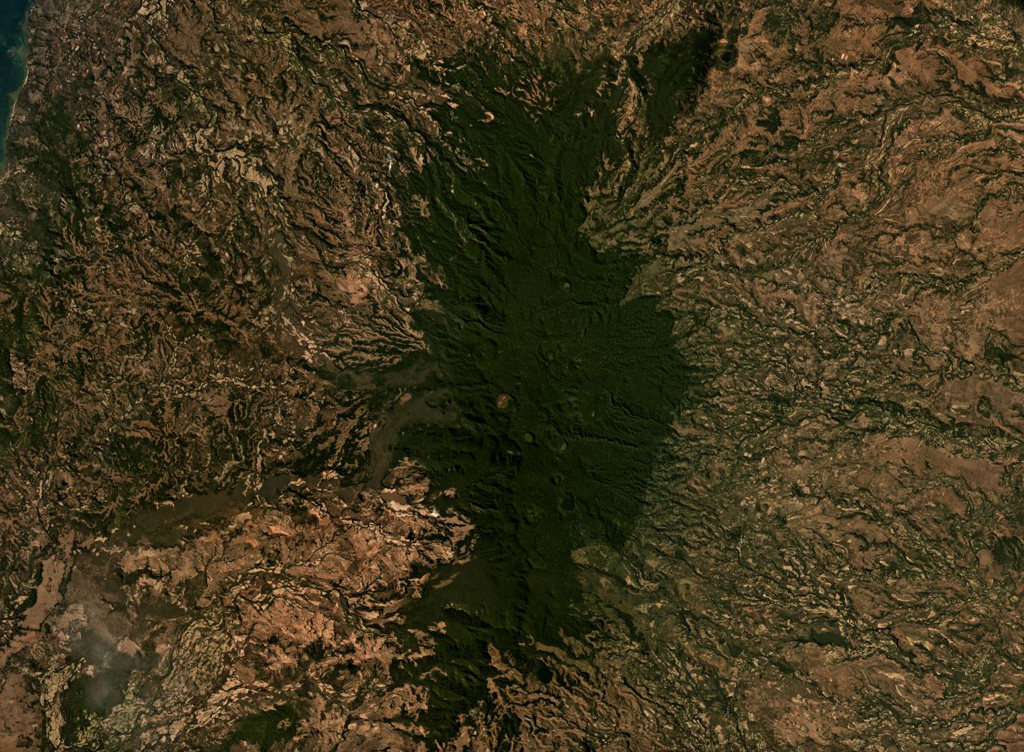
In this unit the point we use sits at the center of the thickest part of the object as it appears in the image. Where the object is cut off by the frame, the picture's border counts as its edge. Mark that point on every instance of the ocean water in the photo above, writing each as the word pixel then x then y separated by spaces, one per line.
pixel 12 62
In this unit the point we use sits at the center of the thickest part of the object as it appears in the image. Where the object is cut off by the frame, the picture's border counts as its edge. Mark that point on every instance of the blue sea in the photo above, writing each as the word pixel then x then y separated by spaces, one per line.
pixel 12 61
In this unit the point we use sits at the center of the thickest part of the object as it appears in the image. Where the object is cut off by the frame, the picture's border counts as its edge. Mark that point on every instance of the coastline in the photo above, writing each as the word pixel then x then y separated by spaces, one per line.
pixel 18 55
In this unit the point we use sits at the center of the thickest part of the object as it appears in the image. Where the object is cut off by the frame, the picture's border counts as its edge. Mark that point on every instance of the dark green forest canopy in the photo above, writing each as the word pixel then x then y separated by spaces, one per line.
pixel 563 390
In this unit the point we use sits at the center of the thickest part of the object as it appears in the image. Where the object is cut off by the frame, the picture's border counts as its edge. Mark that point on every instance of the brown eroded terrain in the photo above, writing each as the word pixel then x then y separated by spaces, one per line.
pixel 208 294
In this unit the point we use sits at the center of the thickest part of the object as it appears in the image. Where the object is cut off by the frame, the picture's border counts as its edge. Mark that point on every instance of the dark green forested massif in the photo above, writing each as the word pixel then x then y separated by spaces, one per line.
pixel 563 385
